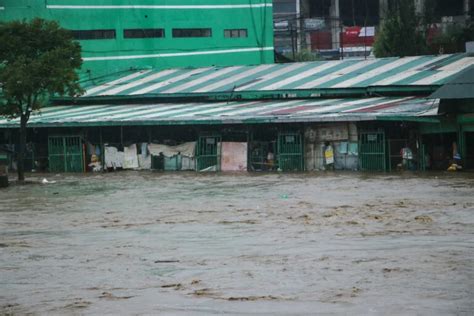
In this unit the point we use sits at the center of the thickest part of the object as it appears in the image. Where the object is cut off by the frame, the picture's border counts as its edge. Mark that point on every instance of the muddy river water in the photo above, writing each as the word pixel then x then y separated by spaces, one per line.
pixel 194 244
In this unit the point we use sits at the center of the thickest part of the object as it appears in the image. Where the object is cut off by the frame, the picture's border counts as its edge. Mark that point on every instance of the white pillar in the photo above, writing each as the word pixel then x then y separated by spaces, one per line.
pixel 335 24
pixel 298 26
pixel 419 6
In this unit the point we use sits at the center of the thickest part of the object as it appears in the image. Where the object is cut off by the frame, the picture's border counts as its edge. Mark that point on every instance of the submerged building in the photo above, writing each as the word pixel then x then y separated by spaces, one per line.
pixel 118 35
pixel 375 115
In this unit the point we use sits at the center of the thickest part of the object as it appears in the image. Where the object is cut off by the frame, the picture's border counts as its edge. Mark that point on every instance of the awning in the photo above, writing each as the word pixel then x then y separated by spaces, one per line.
pixel 346 76
pixel 460 87
pixel 317 110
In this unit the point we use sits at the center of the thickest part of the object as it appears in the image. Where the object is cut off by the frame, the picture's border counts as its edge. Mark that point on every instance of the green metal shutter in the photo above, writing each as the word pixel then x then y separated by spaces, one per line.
pixel 372 155
pixel 208 152
pixel 65 154
pixel 290 152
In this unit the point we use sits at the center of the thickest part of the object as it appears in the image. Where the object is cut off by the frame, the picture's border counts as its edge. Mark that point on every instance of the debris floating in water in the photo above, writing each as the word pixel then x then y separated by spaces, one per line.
pixel 166 261
pixel 46 181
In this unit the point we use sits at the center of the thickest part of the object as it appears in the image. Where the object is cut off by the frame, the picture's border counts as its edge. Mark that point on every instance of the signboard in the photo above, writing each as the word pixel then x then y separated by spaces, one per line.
pixel 368 31
pixel 372 137
pixel 314 24
pixel 281 25
pixel 357 36
pixel 335 132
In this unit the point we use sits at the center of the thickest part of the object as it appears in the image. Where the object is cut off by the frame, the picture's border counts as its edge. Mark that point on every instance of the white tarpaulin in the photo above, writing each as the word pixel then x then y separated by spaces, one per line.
pixel 144 161
pixel 113 157
pixel 186 149
pixel 234 156
pixel 188 163
pixel 130 157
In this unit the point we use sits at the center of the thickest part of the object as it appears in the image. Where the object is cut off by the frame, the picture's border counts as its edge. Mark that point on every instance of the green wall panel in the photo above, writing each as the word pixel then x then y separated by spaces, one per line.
pixel 134 53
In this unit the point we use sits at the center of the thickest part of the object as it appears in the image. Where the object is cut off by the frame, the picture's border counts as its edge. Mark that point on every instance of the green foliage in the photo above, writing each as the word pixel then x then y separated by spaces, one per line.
pixel 453 39
pixel 37 60
pixel 304 55
pixel 400 33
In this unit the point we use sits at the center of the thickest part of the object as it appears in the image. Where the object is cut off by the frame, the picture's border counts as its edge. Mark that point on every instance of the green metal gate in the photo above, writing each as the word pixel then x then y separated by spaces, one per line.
pixel 3 164
pixel 208 153
pixel 65 154
pixel 372 155
pixel 290 152
pixel 394 155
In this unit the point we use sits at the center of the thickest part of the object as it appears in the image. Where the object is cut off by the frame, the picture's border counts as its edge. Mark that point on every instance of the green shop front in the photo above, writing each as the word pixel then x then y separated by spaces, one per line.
pixel 371 115
pixel 289 135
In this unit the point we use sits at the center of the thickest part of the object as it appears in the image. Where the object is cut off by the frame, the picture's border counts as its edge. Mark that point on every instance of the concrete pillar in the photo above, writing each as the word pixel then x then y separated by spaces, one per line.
pixel 419 7
pixel 467 8
pixel 334 14
pixel 383 8
pixel 305 13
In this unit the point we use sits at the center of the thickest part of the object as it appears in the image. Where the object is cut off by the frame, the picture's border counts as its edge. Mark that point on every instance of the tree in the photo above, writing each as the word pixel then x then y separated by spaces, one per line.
pixel 453 39
pixel 38 59
pixel 400 33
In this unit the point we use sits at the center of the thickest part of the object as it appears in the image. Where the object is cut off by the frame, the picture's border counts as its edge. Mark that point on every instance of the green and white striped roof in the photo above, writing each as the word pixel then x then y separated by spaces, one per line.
pixel 418 71
pixel 316 110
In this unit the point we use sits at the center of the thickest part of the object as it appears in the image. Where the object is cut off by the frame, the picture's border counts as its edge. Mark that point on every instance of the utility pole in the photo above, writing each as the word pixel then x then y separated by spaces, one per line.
pixel 292 35
pixel 298 25
pixel 467 8
pixel 342 42
pixel 305 13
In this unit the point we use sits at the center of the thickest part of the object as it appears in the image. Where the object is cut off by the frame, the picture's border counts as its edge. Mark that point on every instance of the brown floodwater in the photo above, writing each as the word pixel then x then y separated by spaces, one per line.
pixel 274 244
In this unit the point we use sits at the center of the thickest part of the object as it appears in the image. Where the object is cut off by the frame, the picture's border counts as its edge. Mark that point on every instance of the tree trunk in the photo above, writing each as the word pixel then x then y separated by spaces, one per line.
pixel 21 151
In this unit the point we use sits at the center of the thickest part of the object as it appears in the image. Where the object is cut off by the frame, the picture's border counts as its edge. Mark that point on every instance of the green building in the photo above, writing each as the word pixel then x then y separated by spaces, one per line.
pixel 118 35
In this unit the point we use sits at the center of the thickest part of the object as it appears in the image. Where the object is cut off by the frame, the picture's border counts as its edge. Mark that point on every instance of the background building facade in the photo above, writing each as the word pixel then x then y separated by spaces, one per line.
pixel 123 34
pixel 345 28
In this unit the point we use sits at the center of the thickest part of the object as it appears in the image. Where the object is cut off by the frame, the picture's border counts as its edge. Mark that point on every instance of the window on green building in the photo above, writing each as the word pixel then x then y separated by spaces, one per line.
pixel 143 33
pixel 93 34
pixel 235 33
pixel 192 32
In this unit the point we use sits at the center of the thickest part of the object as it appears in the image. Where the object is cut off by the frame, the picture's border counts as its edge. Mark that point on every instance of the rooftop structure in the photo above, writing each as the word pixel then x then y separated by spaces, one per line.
pixel 409 75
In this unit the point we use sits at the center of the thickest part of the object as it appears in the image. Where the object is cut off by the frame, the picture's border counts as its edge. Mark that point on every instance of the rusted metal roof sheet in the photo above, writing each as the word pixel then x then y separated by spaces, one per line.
pixel 271 111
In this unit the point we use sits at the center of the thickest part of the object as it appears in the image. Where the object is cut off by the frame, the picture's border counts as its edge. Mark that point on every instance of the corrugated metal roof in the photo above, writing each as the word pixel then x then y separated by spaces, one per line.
pixel 232 112
pixel 460 87
pixel 344 74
